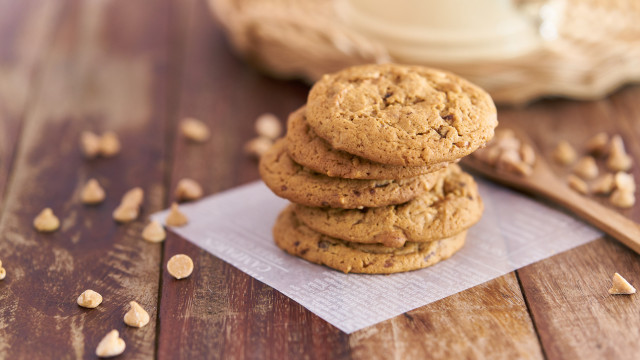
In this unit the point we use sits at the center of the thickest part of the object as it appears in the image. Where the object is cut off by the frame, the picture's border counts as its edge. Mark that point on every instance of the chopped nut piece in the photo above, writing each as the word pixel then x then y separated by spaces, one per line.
pixel 46 221
pixel 586 168
pixel 269 126
pixel 618 159
pixel 125 213
pixel 3 273
pixel 621 286
pixel 195 130
pixel 603 185
pixel 180 266
pixel 133 197
pixel 154 232
pixel 625 182
pixel 597 145
pixel 527 154
pixel 622 199
pixel 89 299
pixel 111 345
pixel 258 146
pixel 564 153
pixel 136 316
pixel 175 217
pixel 578 184
pixel 92 193
pixel 90 144
pixel 188 189
pixel 109 144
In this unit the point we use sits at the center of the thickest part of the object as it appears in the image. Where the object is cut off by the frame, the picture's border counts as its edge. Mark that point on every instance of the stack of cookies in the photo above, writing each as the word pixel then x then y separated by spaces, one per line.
pixel 370 167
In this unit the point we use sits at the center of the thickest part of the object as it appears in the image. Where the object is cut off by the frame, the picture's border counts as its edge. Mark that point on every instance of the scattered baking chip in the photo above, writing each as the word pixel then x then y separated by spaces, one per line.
pixel 195 130
pixel 564 153
pixel 133 197
pixel 621 286
pixel 577 184
pixel 3 273
pixel 125 213
pixel 90 144
pixel 527 154
pixel 92 193
pixel 110 345
pixel 258 146
pixel 180 266
pixel 597 145
pixel 46 221
pixel 269 126
pixel 625 182
pixel 622 199
pixel 175 217
pixel 188 189
pixel 586 168
pixel 603 185
pixel 109 144
pixel 154 232
pixel 507 143
pixel 509 160
pixel 89 299
pixel 618 159
pixel 136 316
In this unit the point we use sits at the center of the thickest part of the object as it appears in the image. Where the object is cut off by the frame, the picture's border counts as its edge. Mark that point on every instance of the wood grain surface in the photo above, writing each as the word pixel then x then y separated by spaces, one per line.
pixel 138 68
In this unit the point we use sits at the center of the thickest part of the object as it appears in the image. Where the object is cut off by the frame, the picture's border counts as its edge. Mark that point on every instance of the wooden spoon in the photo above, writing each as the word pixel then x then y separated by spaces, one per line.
pixel 543 182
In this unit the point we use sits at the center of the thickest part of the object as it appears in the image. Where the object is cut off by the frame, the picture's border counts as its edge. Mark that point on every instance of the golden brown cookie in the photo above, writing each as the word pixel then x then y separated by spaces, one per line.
pixel 313 152
pixel 292 181
pixel 449 208
pixel 297 239
pixel 401 115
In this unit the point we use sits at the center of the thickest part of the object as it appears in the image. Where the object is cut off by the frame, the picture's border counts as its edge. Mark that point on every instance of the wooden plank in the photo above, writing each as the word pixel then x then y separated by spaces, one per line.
pixel 104 71
pixel 575 316
pixel 221 312
pixel 26 28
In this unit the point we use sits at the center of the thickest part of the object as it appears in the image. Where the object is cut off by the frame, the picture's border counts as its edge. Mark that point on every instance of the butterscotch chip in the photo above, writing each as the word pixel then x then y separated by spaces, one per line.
pixel 175 217
pixel 586 168
pixel 625 182
pixel 622 199
pixel 618 159
pixel 125 213
pixel 154 232
pixel 269 126
pixel 527 154
pixel 195 130
pixel 258 146
pixel 510 161
pixel 92 193
pixel 109 144
pixel 111 345
pixel 3 273
pixel 89 299
pixel 136 316
pixel 133 197
pixel 597 145
pixel 603 185
pixel 46 221
pixel 564 153
pixel 621 286
pixel 506 143
pixel 180 266
pixel 577 184
pixel 188 189
pixel 89 144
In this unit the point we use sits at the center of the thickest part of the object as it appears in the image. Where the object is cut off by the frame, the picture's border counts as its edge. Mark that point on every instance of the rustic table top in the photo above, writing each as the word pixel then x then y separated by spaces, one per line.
pixel 137 68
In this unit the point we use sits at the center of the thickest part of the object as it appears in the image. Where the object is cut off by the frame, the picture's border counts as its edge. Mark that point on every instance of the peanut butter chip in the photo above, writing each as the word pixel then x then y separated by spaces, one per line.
pixel 195 130
pixel 109 144
pixel 564 153
pixel 258 146
pixel 125 213
pixel 154 232
pixel 110 345
pixel 625 182
pixel 269 126
pixel 92 193
pixel 175 217
pixel 180 266
pixel 618 159
pixel 89 144
pixel 188 189
pixel 578 184
pixel 89 299
pixel 603 185
pixel 621 286
pixel 622 199
pixel 3 273
pixel 597 145
pixel 586 168
pixel 133 197
pixel 46 221
pixel 136 316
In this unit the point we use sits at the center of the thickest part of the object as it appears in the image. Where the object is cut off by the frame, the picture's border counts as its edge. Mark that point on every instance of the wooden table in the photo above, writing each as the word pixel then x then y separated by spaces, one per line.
pixel 137 67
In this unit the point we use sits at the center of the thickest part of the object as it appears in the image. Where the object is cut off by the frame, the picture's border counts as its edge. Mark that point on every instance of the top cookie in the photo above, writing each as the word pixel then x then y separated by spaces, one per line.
pixel 401 115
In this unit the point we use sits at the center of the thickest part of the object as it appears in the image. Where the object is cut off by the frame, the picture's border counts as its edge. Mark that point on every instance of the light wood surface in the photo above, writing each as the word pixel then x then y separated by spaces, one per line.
pixel 138 67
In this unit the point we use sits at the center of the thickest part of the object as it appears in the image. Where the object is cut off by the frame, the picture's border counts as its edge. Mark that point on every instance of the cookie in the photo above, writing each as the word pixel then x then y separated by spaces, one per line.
pixel 449 208
pixel 291 181
pixel 313 152
pixel 401 115
pixel 297 239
